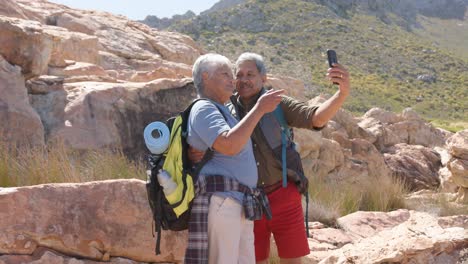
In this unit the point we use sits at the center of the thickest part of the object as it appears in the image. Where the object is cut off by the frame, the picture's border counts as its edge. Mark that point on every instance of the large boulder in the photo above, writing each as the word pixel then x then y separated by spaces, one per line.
pixel 381 135
pixel 11 9
pixel 104 221
pixel 415 165
pixel 96 79
pixel 386 117
pixel 329 158
pixel 361 224
pixel 459 170
pixel 115 114
pixel 458 144
pixel 21 125
pixel 389 129
pixel 95 220
pixel 294 87
pixel 49 34
pixel 93 115
pixel 48 97
pixel 23 44
pixel 43 255
pixel 408 237
pixel 77 69
pixel 34 46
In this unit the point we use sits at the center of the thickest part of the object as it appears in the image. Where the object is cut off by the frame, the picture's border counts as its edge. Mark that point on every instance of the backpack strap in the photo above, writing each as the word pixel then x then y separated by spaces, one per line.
pixel 209 152
pixel 279 114
pixel 154 160
pixel 285 135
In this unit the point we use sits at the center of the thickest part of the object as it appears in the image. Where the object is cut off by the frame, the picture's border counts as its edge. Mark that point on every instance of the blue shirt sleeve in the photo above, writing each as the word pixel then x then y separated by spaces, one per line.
pixel 206 123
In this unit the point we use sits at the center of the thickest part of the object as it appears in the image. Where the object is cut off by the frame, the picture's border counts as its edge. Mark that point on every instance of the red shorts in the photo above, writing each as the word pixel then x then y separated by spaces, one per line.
pixel 287 226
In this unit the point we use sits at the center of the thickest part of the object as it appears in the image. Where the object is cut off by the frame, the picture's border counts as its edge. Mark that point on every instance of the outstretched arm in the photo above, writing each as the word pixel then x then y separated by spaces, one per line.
pixel 327 110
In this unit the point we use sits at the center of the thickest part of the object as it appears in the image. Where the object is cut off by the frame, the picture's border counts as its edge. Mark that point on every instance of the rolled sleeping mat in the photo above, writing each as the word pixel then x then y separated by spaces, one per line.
pixel 157 137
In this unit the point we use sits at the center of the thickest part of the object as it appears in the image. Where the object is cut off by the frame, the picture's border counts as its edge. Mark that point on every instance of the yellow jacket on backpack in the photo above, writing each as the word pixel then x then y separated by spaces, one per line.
pixel 173 165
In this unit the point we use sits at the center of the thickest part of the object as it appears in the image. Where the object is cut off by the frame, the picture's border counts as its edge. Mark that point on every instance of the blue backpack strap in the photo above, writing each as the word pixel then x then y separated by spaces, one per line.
pixel 285 135
pixel 279 114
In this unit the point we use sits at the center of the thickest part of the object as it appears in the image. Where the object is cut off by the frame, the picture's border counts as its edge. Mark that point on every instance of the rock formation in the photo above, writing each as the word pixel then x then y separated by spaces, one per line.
pixel 111 221
pixel 83 71
pixel 458 164
pixel 96 220
pixel 94 80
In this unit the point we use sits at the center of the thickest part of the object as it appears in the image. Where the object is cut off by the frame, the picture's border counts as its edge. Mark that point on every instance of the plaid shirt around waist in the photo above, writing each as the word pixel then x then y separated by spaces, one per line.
pixel 255 204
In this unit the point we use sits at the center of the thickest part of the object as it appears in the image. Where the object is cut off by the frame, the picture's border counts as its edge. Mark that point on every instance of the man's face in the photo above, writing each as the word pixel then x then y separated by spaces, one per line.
pixel 221 82
pixel 249 81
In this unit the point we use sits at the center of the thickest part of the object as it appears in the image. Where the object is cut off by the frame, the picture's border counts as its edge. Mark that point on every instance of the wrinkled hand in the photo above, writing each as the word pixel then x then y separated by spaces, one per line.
pixel 340 75
pixel 195 155
pixel 269 100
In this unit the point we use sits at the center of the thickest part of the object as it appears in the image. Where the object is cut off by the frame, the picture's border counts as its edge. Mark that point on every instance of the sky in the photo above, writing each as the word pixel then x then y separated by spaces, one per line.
pixel 139 9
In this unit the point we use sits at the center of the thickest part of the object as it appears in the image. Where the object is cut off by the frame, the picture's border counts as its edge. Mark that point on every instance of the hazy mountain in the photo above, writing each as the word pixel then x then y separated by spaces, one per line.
pixel 223 5
pixel 407 53
pixel 163 23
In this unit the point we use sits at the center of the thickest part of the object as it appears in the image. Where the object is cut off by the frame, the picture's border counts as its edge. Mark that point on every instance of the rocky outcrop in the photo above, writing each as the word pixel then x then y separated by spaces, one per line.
pixel 415 165
pixel 389 129
pixel 223 5
pixel 165 22
pixel 458 164
pixel 21 125
pixel 111 221
pixel 115 114
pixel 366 224
pixel 44 255
pixel 87 73
pixel 91 115
pixel 378 144
pixel 418 239
pixel 293 87
pixel 96 221
pixel 12 9
pixel 35 46
pixel 458 145
pixel 93 78
pixel 406 9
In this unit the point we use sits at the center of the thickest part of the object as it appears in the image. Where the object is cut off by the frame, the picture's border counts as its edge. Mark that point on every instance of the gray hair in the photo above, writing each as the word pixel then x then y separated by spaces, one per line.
pixel 207 63
pixel 249 56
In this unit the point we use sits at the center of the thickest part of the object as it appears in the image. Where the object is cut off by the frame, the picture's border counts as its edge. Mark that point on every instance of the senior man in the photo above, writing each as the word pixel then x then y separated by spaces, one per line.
pixel 287 224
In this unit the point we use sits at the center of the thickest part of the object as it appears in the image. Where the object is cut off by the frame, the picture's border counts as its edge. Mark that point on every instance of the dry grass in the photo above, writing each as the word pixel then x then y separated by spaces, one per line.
pixel 448 207
pixel 56 163
pixel 331 200
pixel 452 126
pixel 436 203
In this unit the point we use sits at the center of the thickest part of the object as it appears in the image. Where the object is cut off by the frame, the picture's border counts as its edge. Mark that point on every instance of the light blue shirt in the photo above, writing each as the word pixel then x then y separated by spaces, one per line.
pixel 205 124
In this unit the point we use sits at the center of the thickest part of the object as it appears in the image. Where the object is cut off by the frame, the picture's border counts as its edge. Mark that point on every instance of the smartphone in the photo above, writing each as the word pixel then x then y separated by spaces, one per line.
pixel 331 55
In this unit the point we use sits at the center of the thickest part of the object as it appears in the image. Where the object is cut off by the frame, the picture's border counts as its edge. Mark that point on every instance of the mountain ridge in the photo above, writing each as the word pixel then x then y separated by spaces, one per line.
pixel 395 60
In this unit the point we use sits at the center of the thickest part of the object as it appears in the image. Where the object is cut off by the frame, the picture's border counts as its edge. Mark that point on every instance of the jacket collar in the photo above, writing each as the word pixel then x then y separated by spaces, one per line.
pixel 250 103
